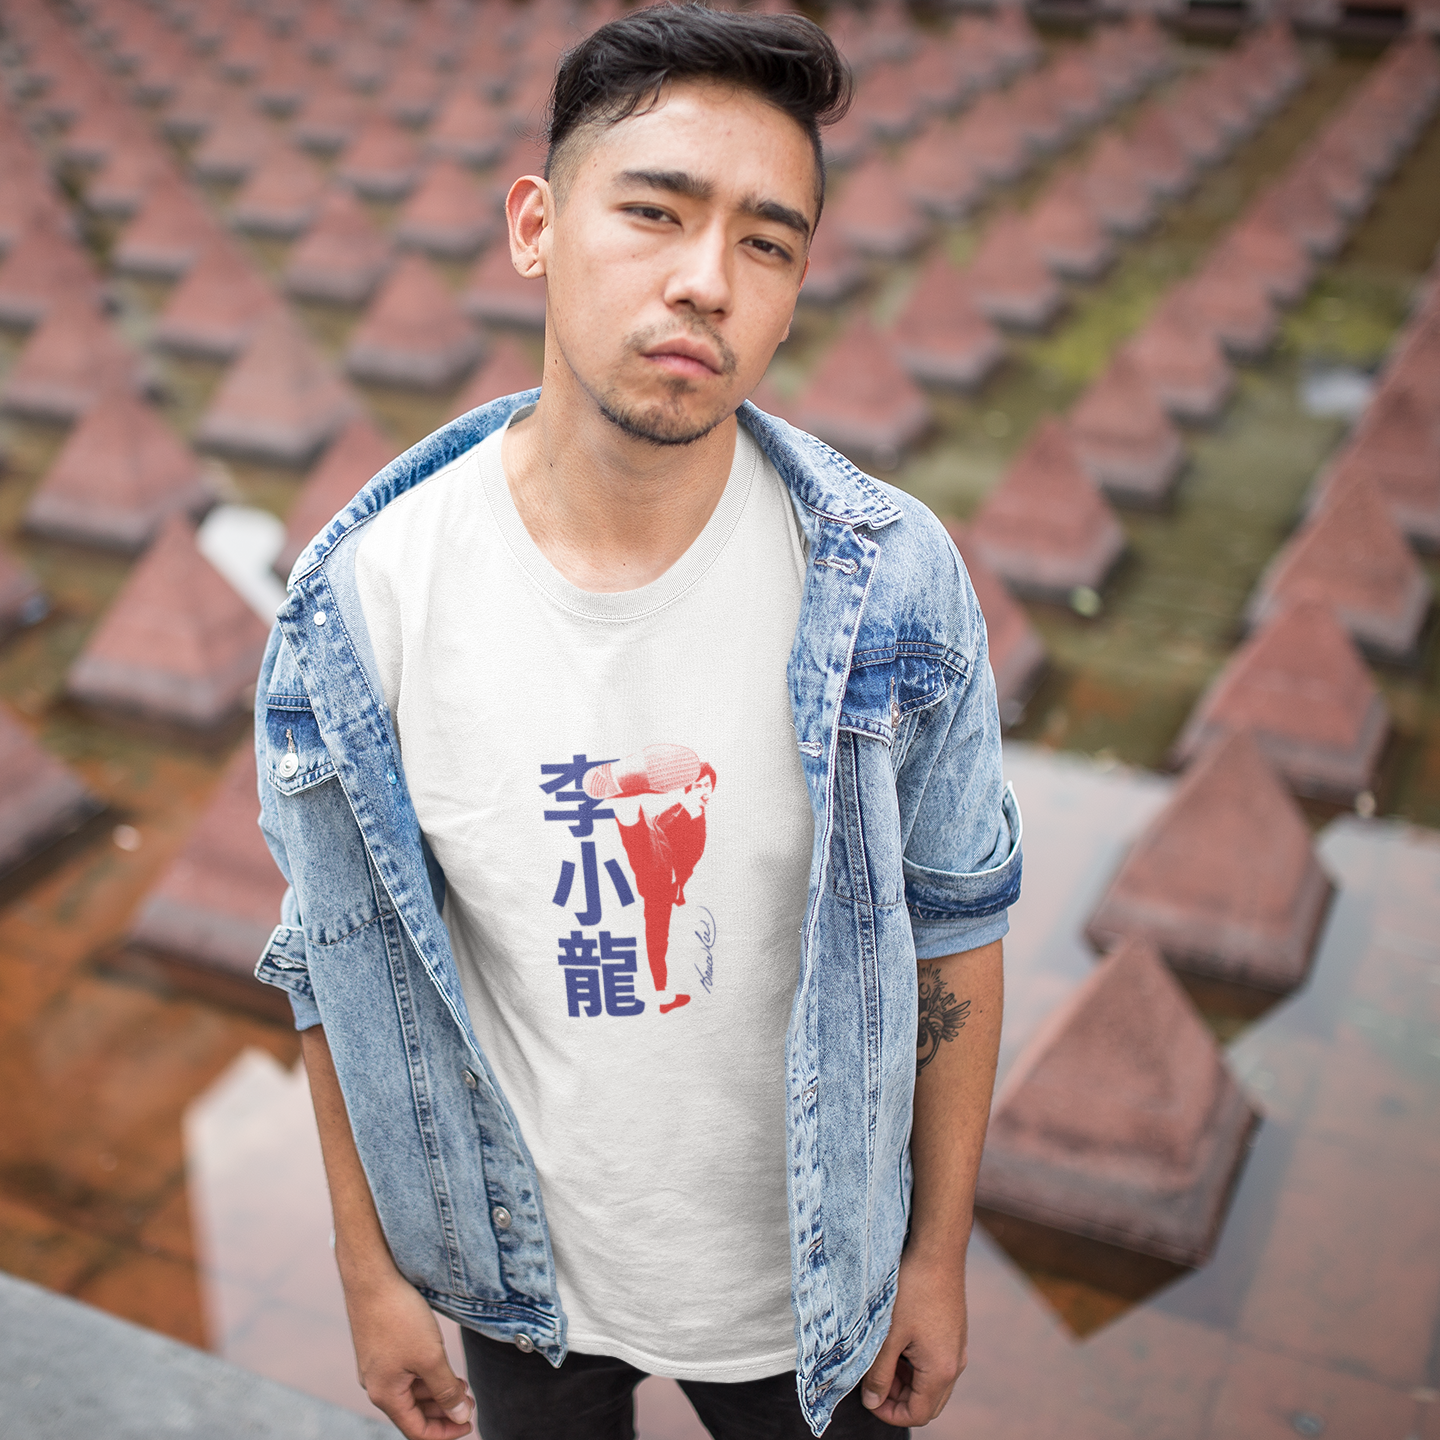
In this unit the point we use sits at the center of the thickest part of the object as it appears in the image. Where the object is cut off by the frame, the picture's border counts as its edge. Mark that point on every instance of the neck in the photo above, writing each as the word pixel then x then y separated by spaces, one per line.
pixel 609 512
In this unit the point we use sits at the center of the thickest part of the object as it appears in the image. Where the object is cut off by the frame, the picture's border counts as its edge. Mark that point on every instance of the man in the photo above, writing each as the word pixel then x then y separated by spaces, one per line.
pixel 761 1194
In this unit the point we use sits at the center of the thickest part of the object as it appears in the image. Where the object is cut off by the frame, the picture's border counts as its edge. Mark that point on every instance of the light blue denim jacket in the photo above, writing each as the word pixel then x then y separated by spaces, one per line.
pixel 916 854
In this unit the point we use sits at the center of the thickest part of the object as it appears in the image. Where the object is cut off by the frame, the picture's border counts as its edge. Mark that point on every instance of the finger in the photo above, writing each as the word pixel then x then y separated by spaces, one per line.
pixel 447 1390
pixel 876 1385
pixel 923 1398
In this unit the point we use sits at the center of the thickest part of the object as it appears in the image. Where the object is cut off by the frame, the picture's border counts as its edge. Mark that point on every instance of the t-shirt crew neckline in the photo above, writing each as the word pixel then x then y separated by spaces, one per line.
pixel 620 605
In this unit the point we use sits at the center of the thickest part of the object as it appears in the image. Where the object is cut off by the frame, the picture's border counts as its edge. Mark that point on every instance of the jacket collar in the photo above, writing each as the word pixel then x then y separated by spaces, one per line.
pixel 820 479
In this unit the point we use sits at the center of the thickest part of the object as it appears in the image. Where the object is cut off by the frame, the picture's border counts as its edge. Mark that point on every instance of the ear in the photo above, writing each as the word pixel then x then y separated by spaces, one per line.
pixel 791 320
pixel 529 213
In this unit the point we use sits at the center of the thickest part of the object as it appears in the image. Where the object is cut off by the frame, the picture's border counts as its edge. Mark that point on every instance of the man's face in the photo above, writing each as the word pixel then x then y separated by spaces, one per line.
pixel 677 250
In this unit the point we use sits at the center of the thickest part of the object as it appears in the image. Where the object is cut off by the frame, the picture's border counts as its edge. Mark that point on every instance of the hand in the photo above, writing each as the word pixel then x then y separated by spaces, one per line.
pixel 402 1362
pixel 924 1353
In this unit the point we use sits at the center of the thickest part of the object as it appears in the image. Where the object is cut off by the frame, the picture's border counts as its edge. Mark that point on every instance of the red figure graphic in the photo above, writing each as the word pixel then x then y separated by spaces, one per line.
pixel 659 795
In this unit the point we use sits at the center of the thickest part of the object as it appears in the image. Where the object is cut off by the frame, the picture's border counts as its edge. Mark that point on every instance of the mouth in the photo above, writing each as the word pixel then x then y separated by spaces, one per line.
pixel 685 358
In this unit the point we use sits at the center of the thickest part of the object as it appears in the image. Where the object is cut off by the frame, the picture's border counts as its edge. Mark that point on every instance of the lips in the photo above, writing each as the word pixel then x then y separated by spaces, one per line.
pixel 687 357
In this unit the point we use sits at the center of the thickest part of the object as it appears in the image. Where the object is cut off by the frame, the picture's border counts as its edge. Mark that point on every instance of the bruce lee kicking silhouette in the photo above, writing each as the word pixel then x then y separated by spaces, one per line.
pixel 659 795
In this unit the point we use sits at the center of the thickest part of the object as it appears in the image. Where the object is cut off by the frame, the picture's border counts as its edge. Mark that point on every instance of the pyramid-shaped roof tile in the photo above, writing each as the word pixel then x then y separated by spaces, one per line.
pixel 1045 529
pixel 357 453
pixel 835 272
pixel 168 233
pixel 414 333
pixel 1224 881
pixel 508 371
pixel 860 398
pixel 343 256
pixel 177 644
pixel 40 800
pixel 43 265
pixel 1117 192
pixel 991 134
pixel 214 310
pixel 938 176
pixel 1123 436
pixel 282 196
pixel 280 401
pixel 1182 364
pixel 119 189
pixel 1160 158
pixel 1075 80
pixel 1281 264
pixel 235 144
pixel 1010 281
pixel 942 337
pixel 121 473
pixel 449 215
pixel 196 101
pixel 874 214
pixel 413 92
pixel 1233 306
pixel 887 99
pixel 497 292
pixel 330 118
pixel 1397 445
pixel 1299 203
pixel 21 599
pixel 937 76
pixel 1352 557
pixel 382 162
pixel 1063 227
pixel 847 141
pixel 1017 653
pixel 1301 687
pixel 1120 1120
pixel 469 128
pixel 70 360
pixel 214 907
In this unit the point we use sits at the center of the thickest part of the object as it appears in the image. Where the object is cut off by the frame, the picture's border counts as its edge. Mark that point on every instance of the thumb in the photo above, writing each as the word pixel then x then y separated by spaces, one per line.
pixel 879 1377
pixel 448 1391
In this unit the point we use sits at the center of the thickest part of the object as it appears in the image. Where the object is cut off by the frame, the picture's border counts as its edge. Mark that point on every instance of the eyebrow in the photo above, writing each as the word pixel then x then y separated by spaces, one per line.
pixel 681 182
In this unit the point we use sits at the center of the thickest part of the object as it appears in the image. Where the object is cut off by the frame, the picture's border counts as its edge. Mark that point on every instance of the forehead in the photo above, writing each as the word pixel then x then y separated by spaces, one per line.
pixel 727 135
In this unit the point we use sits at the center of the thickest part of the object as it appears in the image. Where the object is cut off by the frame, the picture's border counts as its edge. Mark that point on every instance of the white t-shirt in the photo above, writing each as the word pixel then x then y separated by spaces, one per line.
pixel 612 786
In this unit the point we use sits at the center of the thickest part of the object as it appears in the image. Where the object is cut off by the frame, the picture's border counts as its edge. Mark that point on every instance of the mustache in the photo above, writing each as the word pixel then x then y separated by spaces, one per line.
pixel 698 328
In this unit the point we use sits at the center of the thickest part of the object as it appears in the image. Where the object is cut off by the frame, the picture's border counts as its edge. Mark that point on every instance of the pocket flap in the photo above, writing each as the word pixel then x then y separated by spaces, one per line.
pixel 295 755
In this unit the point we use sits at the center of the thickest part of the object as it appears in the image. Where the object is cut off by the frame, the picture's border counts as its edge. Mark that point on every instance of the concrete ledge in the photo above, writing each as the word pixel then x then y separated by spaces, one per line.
pixel 68 1372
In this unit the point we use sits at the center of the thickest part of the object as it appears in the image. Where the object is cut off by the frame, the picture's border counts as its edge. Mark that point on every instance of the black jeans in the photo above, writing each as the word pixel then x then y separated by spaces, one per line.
pixel 592 1397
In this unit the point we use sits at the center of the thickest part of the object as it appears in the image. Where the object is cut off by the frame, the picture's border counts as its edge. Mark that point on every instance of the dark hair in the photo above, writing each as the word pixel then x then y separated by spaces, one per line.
pixel 706 769
pixel 620 69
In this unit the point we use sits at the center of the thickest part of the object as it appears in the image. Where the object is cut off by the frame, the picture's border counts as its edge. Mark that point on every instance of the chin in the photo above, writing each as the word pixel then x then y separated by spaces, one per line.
pixel 661 423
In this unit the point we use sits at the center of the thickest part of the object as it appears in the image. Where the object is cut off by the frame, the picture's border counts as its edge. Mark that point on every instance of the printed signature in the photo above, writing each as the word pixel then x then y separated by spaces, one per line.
pixel 705 934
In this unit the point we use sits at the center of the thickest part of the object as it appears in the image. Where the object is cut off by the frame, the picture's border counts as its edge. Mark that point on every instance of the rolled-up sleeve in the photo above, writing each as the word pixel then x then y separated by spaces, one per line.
pixel 962 854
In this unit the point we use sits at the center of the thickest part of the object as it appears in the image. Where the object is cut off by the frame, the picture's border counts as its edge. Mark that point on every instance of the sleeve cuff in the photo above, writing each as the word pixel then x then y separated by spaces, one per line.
pixel 936 939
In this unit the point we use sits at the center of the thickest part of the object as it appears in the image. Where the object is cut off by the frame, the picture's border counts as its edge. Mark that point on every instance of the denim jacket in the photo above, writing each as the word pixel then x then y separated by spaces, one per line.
pixel 916 856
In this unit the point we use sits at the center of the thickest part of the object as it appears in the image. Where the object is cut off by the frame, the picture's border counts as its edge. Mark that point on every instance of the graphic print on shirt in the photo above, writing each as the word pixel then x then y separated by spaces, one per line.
pixel 657 797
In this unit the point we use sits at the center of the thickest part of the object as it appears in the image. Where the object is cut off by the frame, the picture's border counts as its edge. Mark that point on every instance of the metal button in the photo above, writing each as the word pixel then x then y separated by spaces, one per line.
pixel 501 1216
pixel 894 715
pixel 320 617
pixel 470 1079
pixel 289 764
pixel 524 1344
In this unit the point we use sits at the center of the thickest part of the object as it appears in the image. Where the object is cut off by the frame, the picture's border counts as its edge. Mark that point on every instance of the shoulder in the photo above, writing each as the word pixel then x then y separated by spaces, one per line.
pixel 921 588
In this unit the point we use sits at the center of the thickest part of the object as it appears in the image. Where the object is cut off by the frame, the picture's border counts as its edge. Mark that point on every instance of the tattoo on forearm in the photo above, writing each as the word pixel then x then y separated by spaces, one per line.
pixel 942 1016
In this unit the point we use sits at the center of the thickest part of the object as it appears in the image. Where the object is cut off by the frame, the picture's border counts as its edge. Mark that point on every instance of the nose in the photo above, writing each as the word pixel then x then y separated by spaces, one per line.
pixel 700 279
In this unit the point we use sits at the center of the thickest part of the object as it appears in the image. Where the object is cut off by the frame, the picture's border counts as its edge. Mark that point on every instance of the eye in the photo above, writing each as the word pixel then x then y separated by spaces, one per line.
pixel 647 212
pixel 769 247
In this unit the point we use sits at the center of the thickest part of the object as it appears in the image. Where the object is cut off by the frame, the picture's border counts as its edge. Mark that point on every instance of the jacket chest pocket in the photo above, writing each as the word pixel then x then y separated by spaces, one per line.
pixel 328 860
pixel 888 684
pixel 295 755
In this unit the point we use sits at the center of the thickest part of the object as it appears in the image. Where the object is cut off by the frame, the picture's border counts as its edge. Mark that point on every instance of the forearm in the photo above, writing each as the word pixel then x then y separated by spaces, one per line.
pixel 361 1251
pixel 959 1039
